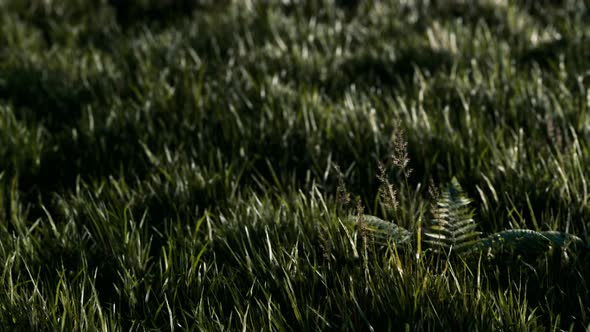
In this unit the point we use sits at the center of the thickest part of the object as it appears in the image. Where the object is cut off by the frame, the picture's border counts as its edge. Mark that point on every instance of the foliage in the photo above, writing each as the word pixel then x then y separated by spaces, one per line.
pixel 171 165
pixel 453 230
pixel 452 226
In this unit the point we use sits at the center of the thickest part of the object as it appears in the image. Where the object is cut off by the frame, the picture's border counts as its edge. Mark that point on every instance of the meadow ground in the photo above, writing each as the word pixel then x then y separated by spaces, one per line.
pixel 185 165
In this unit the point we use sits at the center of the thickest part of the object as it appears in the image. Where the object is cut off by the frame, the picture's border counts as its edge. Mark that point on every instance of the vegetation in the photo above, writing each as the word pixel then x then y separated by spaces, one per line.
pixel 294 165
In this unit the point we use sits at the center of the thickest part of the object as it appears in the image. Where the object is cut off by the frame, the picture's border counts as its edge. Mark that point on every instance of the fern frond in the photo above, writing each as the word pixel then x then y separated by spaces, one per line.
pixel 452 225
pixel 381 231
pixel 527 242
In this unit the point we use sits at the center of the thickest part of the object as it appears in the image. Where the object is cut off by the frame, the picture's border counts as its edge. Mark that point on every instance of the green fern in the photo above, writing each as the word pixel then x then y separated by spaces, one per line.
pixel 527 242
pixel 382 232
pixel 452 226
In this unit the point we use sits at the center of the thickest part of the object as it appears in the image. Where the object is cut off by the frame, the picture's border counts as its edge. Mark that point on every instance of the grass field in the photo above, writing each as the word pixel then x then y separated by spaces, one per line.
pixel 294 165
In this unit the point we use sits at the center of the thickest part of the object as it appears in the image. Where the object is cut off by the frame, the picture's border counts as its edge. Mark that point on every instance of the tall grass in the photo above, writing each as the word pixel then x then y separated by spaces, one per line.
pixel 181 165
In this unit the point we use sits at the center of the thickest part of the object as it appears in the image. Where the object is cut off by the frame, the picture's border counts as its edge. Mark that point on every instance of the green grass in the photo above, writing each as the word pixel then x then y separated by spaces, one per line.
pixel 182 166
